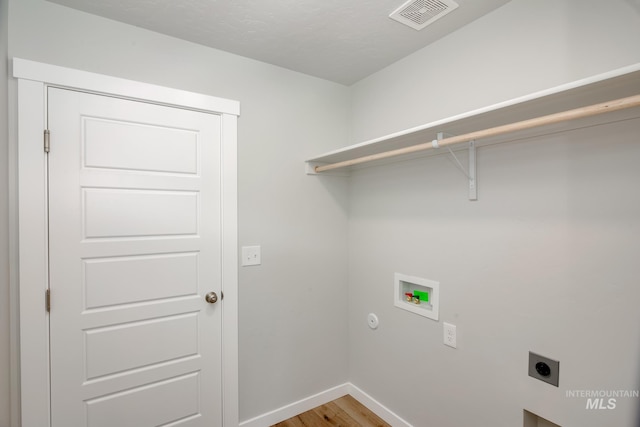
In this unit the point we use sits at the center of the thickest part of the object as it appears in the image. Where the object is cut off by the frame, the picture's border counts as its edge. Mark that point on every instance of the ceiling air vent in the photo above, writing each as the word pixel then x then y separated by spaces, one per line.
pixel 419 13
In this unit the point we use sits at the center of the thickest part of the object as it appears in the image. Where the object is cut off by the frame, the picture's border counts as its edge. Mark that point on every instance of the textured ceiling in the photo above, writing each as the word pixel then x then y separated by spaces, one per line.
pixel 339 40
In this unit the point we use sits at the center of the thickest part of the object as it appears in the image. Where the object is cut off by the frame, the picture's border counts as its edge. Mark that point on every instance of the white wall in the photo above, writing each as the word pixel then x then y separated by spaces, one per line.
pixel 545 260
pixel 289 347
pixel 520 48
pixel 4 227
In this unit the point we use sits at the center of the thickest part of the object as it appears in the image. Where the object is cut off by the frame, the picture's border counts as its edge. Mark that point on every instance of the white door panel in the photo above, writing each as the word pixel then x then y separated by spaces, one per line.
pixel 111 144
pixel 135 244
pixel 148 405
pixel 109 213
pixel 124 280
pixel 121 348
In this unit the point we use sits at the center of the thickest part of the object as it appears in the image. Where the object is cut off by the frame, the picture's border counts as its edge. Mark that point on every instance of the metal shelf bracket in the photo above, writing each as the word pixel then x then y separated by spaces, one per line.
pixel 470 173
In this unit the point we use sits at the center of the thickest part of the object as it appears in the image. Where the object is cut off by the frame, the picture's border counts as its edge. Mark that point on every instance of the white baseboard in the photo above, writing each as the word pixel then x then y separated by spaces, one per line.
pixel 303 405
pixel 296 408
pixel 377 408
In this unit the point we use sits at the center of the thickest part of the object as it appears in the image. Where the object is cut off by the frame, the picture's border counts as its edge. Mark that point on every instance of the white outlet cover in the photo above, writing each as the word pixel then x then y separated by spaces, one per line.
pixel 251 256
pixel 372 321
pixel 450 338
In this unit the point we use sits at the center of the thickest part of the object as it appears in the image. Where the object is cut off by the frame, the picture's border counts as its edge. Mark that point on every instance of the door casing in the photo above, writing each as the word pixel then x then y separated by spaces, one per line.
pixel 33 80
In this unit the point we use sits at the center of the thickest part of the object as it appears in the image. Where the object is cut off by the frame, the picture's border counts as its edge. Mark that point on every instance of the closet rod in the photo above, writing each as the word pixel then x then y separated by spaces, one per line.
pixel 591 110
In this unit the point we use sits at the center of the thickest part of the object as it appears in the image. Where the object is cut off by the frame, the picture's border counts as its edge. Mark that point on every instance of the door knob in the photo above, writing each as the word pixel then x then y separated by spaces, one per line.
pixel 211 297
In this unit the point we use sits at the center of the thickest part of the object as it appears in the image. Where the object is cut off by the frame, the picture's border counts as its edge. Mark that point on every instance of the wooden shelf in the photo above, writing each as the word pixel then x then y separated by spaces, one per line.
pixel 616 84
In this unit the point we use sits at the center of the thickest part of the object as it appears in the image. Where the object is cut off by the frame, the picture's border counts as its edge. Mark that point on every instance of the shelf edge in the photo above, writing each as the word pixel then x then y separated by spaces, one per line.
pixel 508 103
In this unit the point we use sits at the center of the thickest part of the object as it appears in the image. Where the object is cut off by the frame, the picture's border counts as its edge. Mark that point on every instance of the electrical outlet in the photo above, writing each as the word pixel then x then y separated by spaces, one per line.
pixel 250 255
pixel 450 335
pixel 544 369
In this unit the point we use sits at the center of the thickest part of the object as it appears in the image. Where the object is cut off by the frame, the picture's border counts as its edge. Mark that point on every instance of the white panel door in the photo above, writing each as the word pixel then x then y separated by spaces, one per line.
pixel 135 244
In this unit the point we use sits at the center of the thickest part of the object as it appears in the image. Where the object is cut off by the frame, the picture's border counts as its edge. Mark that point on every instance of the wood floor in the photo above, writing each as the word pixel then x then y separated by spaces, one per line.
pixel 343 412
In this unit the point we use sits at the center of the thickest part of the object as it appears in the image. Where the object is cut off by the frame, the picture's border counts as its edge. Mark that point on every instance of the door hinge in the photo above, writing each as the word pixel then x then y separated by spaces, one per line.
pixel 47 142
pixel 47 300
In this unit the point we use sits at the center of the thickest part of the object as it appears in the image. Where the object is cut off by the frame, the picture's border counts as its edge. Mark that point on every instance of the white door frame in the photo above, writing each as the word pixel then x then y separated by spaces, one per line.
pixel 33 80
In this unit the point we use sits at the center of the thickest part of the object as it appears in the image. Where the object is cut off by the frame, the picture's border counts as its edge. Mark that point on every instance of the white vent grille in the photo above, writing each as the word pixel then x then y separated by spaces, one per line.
pixel 419 13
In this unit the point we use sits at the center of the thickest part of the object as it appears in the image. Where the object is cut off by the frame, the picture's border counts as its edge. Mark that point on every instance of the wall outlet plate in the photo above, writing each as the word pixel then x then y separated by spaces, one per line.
pixel 450 338
pixel 251 256
pixel 544 369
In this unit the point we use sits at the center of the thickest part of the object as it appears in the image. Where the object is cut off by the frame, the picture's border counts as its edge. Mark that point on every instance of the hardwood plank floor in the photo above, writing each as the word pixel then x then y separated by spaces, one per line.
pixel 343 412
